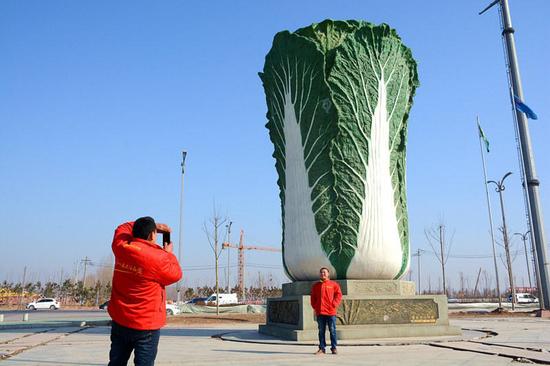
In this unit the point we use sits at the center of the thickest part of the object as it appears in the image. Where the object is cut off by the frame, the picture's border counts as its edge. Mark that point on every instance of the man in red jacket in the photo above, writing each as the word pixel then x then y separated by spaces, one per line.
pixel 138 298
pixel 325 298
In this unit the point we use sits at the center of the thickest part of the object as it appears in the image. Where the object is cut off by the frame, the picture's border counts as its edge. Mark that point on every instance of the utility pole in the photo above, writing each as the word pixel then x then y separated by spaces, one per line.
pixel 60 284
pixel 500 188
pixel 477 281
pixel 86 261
pixel 23 288
pixel 77 269
pixel 418 265
pixel 178 284
pixel 527 163
pixel 442 245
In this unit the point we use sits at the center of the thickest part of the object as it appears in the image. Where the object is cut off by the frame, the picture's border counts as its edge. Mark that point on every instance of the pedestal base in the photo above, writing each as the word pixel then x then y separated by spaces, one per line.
pixel 369 309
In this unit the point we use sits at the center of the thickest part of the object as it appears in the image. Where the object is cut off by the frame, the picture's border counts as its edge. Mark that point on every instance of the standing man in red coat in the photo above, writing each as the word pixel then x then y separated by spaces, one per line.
pixel 138 299
pixel 325 299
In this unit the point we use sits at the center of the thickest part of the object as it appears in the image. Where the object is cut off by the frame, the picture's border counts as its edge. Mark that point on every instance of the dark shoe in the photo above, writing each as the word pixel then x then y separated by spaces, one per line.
pixel 334 351
pixel 320 352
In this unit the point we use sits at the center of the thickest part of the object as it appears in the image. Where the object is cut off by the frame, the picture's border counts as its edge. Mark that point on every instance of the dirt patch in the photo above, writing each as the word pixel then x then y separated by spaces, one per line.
pixel 192 319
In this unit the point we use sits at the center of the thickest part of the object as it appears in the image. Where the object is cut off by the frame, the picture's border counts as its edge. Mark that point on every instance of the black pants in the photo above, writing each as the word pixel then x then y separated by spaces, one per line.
pixel 124 340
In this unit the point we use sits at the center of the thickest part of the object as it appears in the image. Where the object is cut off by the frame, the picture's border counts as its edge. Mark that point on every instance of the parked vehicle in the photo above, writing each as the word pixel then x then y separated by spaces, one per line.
pixel 172 309
pixel 225 299
pixel 197 300
pixel 524 298
pixel 45 303
pixel 104 305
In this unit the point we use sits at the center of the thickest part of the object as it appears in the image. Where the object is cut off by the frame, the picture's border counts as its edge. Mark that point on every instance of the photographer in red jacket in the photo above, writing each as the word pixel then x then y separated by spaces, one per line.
pixel 325 299
pixel 138 299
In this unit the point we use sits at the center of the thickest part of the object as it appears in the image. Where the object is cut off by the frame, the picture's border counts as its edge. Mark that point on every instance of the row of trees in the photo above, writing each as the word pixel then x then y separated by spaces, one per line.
pixel 68 293
pixel 75 293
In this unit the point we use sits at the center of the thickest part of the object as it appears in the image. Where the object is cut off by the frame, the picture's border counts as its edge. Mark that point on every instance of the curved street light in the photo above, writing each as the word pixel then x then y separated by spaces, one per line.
pixel 524 237
pixel 500 188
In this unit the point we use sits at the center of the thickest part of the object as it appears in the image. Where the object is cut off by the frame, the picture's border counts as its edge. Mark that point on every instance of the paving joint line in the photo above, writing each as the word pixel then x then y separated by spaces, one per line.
pixel 5 356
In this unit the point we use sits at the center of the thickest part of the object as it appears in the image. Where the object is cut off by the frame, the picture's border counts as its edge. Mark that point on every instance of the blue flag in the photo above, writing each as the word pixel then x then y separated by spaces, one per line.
pixel 522 107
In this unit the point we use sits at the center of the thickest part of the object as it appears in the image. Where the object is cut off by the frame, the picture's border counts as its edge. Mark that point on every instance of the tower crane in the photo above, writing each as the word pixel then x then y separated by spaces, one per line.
pixel 241 247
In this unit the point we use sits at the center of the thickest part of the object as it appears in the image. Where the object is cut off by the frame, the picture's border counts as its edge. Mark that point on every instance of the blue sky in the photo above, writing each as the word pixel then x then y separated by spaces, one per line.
pixel 98 98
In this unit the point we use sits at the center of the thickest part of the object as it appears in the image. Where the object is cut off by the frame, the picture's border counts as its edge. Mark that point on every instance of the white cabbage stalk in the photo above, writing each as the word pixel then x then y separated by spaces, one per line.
pixel 303 254
pixel 379 251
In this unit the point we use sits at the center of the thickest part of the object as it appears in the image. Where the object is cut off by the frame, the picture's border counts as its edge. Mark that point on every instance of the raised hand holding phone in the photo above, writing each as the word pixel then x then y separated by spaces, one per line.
pixel 165 231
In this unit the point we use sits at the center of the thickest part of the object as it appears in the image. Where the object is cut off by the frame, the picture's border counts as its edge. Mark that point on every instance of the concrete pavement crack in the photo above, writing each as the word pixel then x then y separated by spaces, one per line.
pixel 25 336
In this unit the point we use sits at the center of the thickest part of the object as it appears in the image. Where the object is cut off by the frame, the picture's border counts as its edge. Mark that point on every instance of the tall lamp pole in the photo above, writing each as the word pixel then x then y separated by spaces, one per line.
pixel 178 285
pixel 527 162
pixel 500 188
pixel 228 226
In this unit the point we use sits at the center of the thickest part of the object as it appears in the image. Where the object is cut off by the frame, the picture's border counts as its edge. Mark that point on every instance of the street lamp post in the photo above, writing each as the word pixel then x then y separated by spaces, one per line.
pixel 500 188
pixel 178 285
pixel 524 239
pixel 228 226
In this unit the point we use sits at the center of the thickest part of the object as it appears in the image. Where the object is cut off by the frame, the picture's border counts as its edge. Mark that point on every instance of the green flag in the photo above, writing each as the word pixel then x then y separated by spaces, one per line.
pixel 482 136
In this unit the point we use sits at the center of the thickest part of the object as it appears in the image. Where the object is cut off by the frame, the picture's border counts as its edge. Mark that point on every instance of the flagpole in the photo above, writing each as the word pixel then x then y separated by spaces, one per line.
pixel 490 214
pixel 527 154
pixel 528 160
pixel 526 202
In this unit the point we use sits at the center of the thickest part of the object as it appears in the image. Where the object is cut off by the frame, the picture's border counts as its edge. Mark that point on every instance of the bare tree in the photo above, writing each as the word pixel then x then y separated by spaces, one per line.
pixel 440 246
pixel 212 231
pixel 510 257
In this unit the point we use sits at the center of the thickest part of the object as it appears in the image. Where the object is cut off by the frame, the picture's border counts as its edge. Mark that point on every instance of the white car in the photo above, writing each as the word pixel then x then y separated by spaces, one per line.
pixel 45 303
pixel 524 298
pixel 225 299
pixel 172 309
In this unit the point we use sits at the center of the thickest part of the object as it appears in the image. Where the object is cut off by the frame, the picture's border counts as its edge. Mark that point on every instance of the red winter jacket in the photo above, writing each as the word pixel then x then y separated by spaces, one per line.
pixel 325 297
pixel 142 270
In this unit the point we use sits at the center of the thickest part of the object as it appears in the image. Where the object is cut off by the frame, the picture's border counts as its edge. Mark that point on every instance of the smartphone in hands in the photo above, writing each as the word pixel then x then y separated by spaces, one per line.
pixel 165 239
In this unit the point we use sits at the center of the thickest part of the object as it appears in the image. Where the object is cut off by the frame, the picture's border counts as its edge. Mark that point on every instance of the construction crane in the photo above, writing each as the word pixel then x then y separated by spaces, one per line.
pixel 241 247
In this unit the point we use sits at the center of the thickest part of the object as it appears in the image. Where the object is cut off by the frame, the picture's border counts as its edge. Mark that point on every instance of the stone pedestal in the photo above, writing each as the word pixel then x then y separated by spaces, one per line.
pixel 369 309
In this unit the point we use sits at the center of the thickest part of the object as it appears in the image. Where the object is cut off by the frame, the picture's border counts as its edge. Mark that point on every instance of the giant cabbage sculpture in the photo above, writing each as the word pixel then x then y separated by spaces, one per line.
pixel 338 96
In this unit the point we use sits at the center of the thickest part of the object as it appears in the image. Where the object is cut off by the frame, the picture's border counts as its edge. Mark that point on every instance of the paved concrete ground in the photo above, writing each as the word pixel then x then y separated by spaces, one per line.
pixel 489 306
pixel 41 315
pixel 516 338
